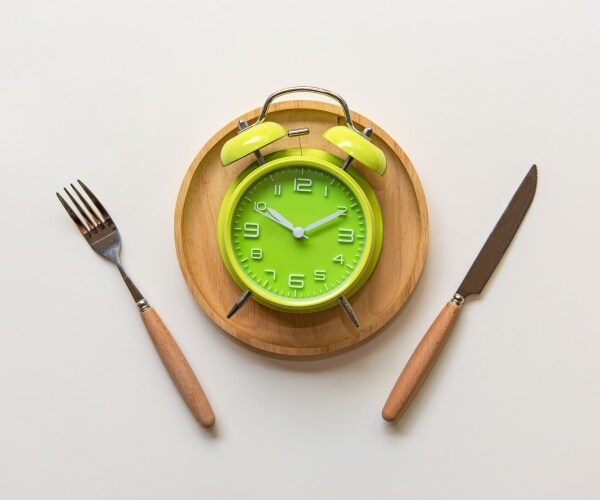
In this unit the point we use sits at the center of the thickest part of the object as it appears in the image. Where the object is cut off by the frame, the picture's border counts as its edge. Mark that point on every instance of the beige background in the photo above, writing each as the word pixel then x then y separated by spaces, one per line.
pixel 124 94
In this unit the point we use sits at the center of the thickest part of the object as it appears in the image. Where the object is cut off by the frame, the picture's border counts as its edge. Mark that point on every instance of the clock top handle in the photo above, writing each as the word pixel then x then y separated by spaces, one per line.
pixel 305 88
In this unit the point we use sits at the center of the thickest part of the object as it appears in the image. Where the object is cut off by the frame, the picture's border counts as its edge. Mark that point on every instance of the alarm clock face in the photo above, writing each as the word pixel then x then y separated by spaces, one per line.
pixel 299 232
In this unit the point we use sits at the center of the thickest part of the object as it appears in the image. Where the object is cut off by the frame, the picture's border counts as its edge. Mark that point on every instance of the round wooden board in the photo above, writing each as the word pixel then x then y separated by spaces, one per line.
pixel 302 335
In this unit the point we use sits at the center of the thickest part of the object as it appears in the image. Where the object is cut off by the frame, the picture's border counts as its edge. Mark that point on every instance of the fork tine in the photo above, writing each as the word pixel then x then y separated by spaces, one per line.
pixel 82 212
pixel 91 211
pixel 95 201
pixel 78 222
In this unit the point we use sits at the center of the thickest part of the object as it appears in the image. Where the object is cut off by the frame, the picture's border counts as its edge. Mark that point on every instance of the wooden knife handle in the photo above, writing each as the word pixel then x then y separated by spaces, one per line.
pixel 179 369
pixel 420 362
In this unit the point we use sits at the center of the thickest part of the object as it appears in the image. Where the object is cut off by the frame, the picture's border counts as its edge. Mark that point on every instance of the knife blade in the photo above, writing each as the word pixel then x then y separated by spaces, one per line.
pixel 420 363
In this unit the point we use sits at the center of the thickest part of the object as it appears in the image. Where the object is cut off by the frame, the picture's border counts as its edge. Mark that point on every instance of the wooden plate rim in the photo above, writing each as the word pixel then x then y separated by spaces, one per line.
pixel 276 349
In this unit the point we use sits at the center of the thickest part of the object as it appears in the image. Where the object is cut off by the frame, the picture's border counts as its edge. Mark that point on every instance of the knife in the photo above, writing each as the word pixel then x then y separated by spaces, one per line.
pixel 431 344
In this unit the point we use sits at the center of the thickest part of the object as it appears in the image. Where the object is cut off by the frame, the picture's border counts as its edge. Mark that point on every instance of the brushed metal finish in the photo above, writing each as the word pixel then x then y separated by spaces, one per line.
pixel 500 238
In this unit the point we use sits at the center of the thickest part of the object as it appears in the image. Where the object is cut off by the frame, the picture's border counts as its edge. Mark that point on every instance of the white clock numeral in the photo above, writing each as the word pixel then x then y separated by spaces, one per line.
pixel 342 209
pixel 260 206
pixel 256 253
pixel 339 259
pixel 302 185
pixel 319 275
pixel 273 272
pixel 345 235
pixel 251 230
pixel 296 280
pixel 277 190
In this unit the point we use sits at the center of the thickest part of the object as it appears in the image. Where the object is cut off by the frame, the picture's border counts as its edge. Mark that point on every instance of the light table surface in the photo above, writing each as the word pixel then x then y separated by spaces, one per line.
pixel 124 94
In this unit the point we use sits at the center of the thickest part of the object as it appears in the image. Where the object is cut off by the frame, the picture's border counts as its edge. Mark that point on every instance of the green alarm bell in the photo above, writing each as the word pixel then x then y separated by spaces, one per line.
pixel 300 230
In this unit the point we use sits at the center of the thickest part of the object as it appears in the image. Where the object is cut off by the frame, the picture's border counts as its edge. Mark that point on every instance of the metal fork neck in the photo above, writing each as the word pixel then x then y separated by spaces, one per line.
pixel 140 301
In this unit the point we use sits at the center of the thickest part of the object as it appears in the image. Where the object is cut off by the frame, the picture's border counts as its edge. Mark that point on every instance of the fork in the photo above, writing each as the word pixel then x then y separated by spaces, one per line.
pixel 100 231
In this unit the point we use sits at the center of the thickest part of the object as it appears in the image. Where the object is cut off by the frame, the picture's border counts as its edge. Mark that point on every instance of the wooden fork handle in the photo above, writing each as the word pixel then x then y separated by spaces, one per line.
pixel 420 363
pixel 179 369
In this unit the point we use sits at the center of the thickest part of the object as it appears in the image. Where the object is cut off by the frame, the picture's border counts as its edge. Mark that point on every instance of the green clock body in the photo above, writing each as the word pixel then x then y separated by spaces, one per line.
pixel 299 232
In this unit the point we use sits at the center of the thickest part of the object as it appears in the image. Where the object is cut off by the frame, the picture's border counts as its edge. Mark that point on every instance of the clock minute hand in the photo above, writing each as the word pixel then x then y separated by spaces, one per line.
pixel 324 220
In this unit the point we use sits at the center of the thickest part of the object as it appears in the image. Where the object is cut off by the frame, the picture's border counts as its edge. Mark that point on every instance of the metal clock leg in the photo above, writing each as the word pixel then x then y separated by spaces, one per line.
pixel 347 308
pixel 239 303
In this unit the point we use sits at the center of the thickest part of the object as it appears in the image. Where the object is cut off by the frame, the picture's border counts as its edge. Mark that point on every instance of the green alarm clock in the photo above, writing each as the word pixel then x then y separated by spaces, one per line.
pixel 300 230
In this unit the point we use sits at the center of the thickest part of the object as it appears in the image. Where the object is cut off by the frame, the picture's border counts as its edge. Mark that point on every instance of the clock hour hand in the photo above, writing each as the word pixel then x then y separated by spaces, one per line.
pixel 267 215
pixel 277 217
pixel 297 231
pixel 324 220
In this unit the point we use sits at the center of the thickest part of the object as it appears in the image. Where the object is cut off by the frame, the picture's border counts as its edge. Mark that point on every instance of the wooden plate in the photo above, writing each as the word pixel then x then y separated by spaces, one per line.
pixel 402 256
